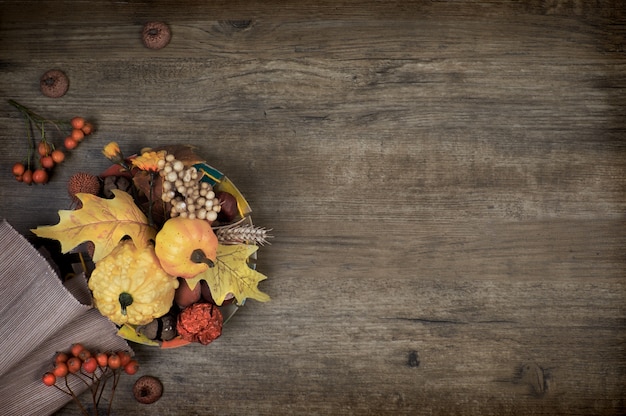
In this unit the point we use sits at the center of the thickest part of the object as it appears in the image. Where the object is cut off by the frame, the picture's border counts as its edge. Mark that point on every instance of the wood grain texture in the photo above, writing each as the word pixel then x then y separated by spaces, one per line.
pixel 446 182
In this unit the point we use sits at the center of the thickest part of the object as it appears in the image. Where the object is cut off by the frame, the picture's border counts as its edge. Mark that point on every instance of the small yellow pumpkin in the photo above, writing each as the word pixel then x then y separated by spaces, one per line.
pixel 186 247
pixel 129 285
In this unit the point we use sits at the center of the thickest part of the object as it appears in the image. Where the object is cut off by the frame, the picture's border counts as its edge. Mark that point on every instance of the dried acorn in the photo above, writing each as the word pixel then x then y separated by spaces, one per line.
pixel 168 331
pixel 163 328
pixel 149 330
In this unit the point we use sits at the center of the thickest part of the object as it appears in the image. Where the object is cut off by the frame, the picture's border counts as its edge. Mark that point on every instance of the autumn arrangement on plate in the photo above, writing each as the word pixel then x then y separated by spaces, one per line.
pixel 172 244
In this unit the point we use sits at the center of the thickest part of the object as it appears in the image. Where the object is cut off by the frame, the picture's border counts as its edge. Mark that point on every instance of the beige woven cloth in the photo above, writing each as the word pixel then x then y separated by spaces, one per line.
pixel 39 316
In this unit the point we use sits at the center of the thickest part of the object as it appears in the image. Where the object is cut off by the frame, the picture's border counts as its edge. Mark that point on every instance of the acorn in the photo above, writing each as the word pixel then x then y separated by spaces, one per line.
pixel 149 330
pixel 168 329
pixel 163 328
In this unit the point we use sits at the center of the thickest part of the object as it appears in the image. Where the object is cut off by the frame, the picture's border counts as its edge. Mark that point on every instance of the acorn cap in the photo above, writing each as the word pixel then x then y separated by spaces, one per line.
pixel 147 389
pixel 54 83
pixel 156 35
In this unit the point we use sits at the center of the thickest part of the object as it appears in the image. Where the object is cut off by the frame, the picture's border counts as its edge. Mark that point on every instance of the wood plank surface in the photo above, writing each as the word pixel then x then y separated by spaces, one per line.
pixel 446 183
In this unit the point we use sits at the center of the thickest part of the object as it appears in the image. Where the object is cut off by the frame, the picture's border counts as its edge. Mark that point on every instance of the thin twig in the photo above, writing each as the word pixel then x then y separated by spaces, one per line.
pixel 71 392
pixel 116 378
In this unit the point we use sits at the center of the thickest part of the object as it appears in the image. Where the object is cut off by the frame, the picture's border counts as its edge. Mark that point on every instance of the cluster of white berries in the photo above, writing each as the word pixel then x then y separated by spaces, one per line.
pixel 182 188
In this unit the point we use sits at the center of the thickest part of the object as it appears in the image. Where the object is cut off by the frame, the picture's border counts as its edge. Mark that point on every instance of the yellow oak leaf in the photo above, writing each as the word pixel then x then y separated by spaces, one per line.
pixel 231 274
pixel 102 221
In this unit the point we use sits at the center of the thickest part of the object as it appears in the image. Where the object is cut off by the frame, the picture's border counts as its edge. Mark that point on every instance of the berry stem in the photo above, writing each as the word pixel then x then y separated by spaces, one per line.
pixel 69 389
pixel 31 141
pixel 88 376
pixel 151 202
pixel 33 121
pixel 81 378
pixel 102 386
pixel 28 113
pixel 116 378
pixel 64 391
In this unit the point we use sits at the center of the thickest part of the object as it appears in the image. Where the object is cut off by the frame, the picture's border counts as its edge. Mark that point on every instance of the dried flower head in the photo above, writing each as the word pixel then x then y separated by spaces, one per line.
pixel 113 153
pixel 150 161
pixel 200 322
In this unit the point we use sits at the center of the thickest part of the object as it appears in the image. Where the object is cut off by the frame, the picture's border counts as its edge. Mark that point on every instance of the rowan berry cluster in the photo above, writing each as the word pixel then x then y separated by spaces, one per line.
pixel 92 368
pixel 43 154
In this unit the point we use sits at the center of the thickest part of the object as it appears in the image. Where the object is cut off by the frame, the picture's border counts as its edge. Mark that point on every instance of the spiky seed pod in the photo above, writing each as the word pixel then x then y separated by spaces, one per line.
pixel 82 182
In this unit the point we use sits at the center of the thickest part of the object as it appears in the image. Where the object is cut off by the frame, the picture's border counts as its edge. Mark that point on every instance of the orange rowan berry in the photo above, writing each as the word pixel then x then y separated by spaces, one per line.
pixel 40 176
pixel 131 367
pixel 102 359
pixel 70 143
pixel 61 357
pixel 74 364
pixel 77 122
pixel 27 176
pixel 124 357
pixel 115 361
pixel 47 162
pixel 78 135
pixel 44 148
pixel 58 156
pixel 87 128
pixel 18 169
pixel 84 354
pixel 60 369
pixel 76 349
pixel 90 365
pixel 49 379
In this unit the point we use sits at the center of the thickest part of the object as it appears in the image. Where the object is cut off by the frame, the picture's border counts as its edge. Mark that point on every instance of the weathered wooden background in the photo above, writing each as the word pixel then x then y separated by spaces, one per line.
pixel 446 182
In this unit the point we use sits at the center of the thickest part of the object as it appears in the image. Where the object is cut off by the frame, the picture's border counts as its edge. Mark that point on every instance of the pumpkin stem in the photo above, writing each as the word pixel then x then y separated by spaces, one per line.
pixel 125 300
pixel 198 256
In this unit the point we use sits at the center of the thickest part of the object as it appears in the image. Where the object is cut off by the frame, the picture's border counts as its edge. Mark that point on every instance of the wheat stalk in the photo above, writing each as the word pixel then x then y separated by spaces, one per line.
pixel 243 233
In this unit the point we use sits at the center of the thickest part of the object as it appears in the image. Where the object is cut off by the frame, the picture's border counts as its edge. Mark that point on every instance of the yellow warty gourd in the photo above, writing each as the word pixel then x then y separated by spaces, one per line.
pixel 129 285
